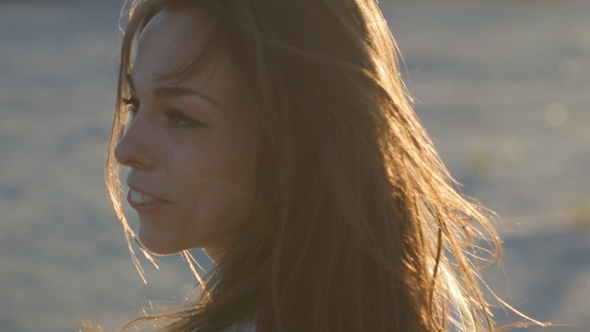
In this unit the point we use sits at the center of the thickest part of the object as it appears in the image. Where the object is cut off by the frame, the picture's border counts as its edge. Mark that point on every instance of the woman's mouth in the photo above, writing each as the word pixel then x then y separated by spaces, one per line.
pixel 143 202
pixel 140 198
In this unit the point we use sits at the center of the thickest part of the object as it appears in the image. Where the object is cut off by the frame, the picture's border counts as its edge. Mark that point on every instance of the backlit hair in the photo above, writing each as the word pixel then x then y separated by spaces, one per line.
pixel 358 226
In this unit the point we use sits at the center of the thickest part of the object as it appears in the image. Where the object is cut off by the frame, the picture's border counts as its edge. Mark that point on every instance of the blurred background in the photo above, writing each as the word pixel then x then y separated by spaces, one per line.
pixel 503 87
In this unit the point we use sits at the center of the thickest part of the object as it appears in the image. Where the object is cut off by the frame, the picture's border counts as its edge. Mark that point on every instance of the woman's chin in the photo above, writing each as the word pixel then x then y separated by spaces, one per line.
pixel 157 245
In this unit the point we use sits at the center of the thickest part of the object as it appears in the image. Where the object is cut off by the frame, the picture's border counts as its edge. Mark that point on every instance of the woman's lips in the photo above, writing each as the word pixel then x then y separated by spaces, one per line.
pixel 144 203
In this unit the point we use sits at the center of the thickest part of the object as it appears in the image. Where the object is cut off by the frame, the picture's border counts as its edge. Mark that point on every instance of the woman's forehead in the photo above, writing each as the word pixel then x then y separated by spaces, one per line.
pixel 170 40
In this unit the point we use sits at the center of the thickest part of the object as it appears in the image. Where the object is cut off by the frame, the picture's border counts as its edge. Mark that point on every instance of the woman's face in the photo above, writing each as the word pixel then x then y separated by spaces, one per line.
pixel 190 145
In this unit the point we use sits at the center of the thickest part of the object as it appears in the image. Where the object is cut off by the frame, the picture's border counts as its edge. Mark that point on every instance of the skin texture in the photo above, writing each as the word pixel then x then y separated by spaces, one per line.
pixel 195 152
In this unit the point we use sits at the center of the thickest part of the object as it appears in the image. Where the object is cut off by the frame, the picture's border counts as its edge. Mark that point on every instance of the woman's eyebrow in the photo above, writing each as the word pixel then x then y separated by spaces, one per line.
pixel 175 91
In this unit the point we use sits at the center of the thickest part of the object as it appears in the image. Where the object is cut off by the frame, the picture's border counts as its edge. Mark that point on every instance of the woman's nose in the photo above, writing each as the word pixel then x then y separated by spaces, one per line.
pixel 132 150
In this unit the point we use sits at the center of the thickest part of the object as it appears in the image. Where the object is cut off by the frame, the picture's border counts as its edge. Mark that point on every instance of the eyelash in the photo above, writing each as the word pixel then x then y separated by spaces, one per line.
pixel 174 117
pixel 131 105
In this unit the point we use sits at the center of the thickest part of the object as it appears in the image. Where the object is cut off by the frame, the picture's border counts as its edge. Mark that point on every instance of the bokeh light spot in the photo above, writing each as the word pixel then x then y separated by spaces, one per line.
pixel 556 115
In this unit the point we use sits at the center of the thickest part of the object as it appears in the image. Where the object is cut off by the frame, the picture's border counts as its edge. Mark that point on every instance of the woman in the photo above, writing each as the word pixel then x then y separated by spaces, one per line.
pixel 278 136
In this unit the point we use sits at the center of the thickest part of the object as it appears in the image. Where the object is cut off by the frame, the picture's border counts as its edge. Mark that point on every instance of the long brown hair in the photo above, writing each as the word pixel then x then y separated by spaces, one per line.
pixel 358 225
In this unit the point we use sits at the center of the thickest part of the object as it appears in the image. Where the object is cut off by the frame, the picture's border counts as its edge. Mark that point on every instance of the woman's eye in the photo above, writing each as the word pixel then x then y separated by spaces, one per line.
pixel 132 104
pixel 178 119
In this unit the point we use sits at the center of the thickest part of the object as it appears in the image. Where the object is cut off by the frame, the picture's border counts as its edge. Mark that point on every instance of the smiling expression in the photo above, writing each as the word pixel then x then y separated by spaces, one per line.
pixel 190 144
